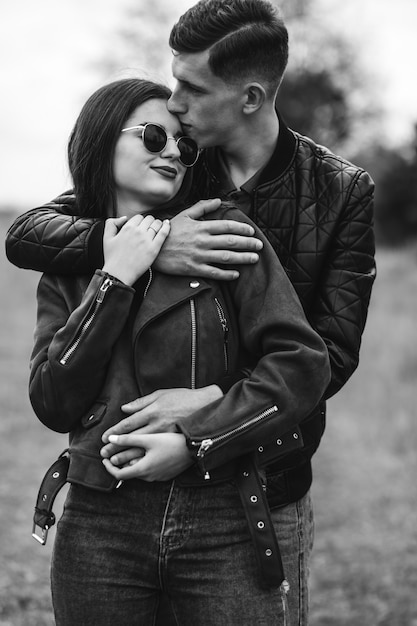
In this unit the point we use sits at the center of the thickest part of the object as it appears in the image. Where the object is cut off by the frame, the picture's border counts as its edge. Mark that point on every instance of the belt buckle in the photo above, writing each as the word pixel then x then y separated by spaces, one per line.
pixel 43 536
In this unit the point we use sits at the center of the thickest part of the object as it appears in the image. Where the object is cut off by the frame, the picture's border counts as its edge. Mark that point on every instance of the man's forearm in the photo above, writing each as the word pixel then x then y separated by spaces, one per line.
pixel 48 241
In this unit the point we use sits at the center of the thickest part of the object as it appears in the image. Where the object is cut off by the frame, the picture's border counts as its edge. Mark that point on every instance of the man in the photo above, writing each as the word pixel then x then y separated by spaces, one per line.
pixel 229 58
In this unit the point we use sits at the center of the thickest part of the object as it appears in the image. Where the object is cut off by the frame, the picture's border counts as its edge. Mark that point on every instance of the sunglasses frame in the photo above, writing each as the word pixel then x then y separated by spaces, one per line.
pixel 142 127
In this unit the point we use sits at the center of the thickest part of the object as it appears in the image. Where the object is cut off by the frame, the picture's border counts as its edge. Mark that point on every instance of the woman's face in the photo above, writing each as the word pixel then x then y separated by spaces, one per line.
pixel 145 180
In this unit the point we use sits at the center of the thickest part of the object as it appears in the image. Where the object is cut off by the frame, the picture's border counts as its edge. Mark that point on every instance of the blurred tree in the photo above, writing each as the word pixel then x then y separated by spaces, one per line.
pixel 395 173
pixel 141 46
pixel 294 9
pixel 325 93
pixel 314 105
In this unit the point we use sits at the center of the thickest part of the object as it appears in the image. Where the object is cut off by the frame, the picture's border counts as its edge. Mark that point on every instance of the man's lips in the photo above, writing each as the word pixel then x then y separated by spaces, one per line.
pixel 185 127
pixel 165 170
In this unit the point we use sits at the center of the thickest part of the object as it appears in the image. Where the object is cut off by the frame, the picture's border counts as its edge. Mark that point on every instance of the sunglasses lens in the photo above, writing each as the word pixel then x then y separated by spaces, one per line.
pixel 154 137
pixel 189 151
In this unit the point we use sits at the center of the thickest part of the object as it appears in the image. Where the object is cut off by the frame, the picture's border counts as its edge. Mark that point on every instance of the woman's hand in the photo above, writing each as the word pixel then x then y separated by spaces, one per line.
pixel 165 455
pixel 157 412
pixel 131 246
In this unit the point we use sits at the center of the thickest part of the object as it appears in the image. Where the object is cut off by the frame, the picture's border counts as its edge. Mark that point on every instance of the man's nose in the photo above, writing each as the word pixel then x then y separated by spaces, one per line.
pixel 175 105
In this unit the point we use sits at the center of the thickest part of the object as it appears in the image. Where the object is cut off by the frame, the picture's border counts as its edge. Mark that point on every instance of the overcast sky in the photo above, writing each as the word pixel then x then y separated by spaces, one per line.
pixel 47 52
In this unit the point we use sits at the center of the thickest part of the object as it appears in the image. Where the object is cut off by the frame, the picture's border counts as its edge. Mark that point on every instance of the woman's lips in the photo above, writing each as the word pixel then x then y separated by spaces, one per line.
pixel 168 172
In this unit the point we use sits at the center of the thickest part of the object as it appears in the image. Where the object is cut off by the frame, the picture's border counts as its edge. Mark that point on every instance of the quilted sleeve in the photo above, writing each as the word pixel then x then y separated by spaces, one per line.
pixel 340 310
pixel 50 239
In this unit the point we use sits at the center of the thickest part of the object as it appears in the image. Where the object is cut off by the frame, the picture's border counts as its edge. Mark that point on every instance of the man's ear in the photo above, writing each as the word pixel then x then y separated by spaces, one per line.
pixel 255 96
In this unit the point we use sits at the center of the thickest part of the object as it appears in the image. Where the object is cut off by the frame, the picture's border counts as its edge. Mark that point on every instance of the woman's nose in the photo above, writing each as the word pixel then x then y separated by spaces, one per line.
pixel 171 149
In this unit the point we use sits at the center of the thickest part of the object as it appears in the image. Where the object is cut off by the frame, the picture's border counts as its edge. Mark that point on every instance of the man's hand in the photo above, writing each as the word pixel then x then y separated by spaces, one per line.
pixel 157 412
pixel 200 248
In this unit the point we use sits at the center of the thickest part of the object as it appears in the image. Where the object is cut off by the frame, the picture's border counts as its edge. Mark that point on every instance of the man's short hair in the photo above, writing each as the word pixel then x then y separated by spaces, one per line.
pixel 246 38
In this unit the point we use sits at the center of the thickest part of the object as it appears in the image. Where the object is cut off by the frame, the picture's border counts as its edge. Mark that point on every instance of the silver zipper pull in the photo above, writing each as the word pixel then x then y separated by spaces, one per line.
pixel 103 289
pixel 222 317
pixel 223 322
pixel 204 446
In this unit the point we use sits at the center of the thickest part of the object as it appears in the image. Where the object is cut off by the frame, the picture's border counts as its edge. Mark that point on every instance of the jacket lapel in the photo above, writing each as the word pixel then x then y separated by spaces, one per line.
pixel 165 293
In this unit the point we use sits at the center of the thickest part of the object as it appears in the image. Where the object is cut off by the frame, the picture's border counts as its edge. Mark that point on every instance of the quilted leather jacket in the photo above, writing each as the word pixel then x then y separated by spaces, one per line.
pixel 184 333
pixel 316 209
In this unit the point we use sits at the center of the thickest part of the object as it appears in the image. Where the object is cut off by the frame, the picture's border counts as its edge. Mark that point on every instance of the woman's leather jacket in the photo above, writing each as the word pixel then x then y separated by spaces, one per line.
pixel 97 348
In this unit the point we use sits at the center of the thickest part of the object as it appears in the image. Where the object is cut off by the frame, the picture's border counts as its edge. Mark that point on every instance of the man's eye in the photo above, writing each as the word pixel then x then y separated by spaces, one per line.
pixel 192 89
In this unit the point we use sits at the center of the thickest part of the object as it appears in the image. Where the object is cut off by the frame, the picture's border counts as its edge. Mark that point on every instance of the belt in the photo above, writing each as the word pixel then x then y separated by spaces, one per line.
pixel 246 476
pixel 53 481
pixel 253 496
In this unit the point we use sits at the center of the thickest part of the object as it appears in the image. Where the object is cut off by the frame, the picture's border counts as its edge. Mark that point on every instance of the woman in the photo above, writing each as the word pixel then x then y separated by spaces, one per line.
pixel 179 521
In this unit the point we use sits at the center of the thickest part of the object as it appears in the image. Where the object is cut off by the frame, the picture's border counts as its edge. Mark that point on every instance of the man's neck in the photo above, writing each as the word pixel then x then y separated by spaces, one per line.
pixel 252 150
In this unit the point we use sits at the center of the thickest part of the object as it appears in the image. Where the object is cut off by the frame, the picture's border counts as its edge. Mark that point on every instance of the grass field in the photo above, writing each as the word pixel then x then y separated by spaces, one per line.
pixel 364 571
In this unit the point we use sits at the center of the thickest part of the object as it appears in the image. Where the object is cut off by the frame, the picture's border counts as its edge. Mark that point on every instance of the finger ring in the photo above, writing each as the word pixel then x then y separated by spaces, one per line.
pixel 150 228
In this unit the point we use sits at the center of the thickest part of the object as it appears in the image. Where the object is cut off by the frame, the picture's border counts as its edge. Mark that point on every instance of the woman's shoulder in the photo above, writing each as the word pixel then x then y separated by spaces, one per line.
pixel 229 211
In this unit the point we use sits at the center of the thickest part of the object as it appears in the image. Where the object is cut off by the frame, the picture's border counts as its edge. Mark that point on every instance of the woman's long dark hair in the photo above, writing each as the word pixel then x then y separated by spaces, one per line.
pixel 94 137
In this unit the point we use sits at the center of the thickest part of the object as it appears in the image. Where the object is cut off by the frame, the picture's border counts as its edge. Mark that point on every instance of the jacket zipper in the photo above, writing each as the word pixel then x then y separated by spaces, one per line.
pixel 145 293
pixel 69 352
pixel 223 322
pixel 193 343
pixel 206 444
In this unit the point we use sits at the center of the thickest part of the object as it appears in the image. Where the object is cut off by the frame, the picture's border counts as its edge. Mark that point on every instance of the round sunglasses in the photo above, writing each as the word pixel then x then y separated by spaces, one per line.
pixel 155 139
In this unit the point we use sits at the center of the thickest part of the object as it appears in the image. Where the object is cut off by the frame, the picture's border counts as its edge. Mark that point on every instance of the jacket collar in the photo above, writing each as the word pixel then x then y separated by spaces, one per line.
pixel 282 156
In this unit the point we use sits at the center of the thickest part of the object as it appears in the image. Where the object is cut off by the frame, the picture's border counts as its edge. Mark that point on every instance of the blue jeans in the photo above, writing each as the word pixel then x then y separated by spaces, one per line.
pixel 116 553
